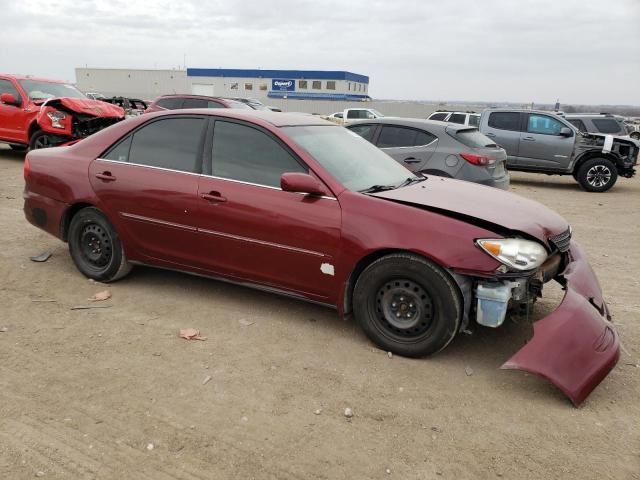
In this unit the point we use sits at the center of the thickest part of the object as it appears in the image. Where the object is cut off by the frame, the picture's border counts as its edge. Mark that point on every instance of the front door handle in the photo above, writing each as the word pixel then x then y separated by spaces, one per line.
pixel 411 160
pixel 105 176
pixel 529 139
pixel 213 197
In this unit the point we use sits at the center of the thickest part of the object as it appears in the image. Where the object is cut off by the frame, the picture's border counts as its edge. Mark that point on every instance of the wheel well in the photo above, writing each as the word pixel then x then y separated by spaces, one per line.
pixel 359 268
pixel 33 128
pixel 68 215
pixel 594 154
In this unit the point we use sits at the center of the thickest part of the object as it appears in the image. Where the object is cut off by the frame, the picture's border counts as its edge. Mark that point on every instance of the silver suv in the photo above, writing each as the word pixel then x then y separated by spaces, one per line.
pixel 544 142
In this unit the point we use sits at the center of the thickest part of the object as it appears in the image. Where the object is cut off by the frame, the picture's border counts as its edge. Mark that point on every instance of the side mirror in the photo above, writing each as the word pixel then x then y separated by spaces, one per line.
pixel 566 132
pixel 301 183
pixel 9 99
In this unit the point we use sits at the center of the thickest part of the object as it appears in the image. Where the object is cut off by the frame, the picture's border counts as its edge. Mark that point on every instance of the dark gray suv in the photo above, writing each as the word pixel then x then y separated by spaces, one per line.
pixel 544 142
pixel 598 123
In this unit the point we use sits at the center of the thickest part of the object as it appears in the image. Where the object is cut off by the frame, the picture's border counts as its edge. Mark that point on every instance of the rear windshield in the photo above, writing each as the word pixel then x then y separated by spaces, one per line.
pixel 471 137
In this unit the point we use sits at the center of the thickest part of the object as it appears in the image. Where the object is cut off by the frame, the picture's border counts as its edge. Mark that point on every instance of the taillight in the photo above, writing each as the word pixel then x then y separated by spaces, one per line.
pixel 27 168
pixel 479 160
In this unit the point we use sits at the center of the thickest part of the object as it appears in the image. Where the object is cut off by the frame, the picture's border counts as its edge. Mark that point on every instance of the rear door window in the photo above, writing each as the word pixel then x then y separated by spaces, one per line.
pixel 606 125
pixel 393 137
pixel 457 118
pixel 474 120
pixel 171 143
pixel 438 116
pixel 543 125
pixel 246 154
pixel 365 131
pixel 170 103
pixel 194 103
pixel 505 121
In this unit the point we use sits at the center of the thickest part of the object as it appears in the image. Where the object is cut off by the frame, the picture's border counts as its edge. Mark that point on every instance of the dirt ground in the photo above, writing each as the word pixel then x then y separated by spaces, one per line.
pixel 114 393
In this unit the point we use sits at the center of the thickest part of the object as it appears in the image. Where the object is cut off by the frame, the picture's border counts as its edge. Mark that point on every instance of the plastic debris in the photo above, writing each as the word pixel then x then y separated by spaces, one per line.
pixel 206 380
pixel 101 296
pixel 245 322
pixel 348 412
pixel 89 307
pixel 191 334
pixel 468 370
pixel 43 257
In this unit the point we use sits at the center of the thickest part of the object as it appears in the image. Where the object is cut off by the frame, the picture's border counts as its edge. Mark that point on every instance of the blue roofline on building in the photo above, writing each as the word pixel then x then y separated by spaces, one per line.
pixel 293 74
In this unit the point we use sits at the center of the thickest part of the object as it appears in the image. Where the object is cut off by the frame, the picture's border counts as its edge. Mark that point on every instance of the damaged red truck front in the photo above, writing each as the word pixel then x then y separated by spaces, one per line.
pixel 39 113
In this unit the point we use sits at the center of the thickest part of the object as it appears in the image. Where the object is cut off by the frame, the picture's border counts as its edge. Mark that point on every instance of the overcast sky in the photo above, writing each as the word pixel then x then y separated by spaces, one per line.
pixel 581 51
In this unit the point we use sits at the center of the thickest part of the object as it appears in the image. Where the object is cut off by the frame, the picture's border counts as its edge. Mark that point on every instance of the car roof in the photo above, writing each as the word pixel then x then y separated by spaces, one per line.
pixel 189 95
pixel 413 122
pixel 277 119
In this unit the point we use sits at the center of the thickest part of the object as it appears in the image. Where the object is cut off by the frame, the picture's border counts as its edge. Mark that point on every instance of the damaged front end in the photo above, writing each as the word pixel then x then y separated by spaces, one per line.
pixel 73 119
pixel 623 151
pixel 575 347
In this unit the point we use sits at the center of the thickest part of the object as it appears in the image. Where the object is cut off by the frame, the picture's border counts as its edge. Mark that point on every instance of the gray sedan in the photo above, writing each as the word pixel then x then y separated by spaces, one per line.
pixel 438 148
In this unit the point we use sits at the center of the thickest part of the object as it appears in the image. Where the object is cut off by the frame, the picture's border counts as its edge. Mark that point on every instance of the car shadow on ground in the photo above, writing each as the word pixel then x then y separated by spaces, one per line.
pixel 552 182
pixel 8 154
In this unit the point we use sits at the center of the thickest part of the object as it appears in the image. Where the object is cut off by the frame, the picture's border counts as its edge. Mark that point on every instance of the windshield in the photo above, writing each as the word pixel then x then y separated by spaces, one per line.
pixel 44 90
pixel 348 157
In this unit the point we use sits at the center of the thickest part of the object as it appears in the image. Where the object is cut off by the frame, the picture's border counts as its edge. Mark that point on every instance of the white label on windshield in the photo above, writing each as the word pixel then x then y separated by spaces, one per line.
pixel 608 143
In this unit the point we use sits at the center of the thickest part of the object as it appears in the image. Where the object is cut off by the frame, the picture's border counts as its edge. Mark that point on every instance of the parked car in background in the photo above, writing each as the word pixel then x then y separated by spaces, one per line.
pixel 349 115
pixel 438 148
pixel 132 106
pixel 255 104
pixel 295 205
pixel 462 118
pixel 176 102
pixel 39 113
pixel 95 95
pixel 633 127
pixel 544 142
pixel 598 123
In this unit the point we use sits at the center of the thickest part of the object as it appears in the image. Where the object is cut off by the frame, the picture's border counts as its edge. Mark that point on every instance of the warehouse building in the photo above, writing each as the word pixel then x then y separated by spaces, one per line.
pixel 223 82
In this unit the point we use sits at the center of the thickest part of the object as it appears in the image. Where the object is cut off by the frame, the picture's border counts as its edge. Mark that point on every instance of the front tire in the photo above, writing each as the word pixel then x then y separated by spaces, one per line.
pixel 42 139
pixel 95 247
pixel 635 135
pixel 407 305
pixel 597 175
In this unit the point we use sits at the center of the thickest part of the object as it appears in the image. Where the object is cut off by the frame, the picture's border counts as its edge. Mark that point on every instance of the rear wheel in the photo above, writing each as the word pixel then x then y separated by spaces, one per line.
pixel 407 305
pixel 635 135
pixel 95 246
pixel 42 139
pixel 597 175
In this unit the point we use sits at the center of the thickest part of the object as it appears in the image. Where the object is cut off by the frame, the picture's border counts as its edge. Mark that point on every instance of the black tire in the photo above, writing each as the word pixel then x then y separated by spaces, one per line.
pixel 95 247
pixel 597 175
pixel 400 284
pixel 635 135
pixel 42 139
pixel 19 148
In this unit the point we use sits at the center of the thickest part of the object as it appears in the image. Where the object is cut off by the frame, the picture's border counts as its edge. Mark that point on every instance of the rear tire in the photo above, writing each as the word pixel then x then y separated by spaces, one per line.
pixel 407 305
pixel 635 135
pixel 597 175
pixel 95 247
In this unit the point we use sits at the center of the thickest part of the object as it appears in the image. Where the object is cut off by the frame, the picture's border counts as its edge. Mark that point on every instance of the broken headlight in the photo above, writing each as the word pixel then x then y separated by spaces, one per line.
pixel 515 253
pixel 56 118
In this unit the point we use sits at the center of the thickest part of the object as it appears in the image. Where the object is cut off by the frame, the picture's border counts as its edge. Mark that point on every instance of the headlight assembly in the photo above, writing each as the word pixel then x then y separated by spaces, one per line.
pixel 515 253
pixel 56 118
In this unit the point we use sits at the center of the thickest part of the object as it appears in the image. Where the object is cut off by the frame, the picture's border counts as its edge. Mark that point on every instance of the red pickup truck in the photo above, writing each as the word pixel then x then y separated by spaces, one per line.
pixel 39 113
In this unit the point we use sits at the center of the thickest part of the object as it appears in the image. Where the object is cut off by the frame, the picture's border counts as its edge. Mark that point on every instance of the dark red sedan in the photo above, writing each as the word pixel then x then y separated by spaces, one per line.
pixel 179 101
pixel 299 206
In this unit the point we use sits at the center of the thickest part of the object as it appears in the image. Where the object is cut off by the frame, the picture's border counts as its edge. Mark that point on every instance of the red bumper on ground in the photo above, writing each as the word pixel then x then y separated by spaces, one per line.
pixel 576 346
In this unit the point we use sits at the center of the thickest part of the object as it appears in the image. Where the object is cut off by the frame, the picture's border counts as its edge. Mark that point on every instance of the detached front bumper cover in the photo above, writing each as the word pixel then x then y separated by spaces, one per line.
pixel 576 346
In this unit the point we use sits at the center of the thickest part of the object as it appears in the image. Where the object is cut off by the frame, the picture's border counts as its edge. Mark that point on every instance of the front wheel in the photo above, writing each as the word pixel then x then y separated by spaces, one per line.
pixel 95 247
pixel 42 139
pixel 597 175
pixel 635 135
pixel 407 305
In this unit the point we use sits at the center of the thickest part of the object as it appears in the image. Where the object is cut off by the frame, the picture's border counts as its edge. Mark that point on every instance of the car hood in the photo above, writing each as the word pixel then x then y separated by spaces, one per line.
pixel 496 209
pixel 95 108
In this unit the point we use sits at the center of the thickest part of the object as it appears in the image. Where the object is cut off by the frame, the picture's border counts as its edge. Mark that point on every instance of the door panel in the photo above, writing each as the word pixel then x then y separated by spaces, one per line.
pixel 12 118
pixel 541 146
pixel 151 207
pixel 408 146
pixel 504 129
pixel 265 235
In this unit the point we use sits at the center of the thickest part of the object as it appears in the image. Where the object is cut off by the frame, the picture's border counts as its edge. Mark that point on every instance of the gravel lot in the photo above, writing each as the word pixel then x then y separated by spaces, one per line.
pixel 114 393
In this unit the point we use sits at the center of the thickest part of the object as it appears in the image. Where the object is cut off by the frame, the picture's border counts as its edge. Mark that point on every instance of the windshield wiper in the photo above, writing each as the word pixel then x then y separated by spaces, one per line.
pixel 412 180
pixel 377 188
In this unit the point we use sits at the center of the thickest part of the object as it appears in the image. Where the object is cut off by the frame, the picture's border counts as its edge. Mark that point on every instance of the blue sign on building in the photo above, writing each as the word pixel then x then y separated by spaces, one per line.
pixel 283 84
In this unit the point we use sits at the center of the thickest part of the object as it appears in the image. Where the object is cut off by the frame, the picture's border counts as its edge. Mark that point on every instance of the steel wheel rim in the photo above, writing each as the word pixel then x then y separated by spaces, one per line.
pixel 598 176
pixel 43 142
pixel 96 246
pixel 403 309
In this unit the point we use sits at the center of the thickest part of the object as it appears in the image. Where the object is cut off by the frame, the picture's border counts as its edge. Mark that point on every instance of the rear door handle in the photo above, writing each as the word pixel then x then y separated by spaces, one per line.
pixel 411 160
pixel 213 197
pixel 529 139
pixel 106 176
